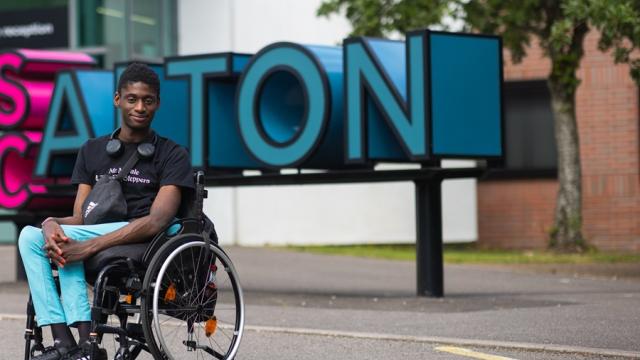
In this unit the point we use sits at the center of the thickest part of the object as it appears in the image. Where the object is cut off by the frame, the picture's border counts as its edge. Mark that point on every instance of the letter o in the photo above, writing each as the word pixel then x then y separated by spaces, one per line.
pixel 282 105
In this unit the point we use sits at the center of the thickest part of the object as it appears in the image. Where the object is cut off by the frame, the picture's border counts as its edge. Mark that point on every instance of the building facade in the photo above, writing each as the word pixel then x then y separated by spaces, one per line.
pixel 517 211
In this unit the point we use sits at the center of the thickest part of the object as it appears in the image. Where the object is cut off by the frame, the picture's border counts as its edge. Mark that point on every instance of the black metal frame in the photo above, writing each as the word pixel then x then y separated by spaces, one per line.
pixel 428 181
pixel 127 335
pixel 105 303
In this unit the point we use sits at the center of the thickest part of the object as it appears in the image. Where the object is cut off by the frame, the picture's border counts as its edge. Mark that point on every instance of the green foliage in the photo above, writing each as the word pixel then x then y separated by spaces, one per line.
pixel 619 24
pixel 384 17
pixel 469 254
pixel 516 21
pixel 559 25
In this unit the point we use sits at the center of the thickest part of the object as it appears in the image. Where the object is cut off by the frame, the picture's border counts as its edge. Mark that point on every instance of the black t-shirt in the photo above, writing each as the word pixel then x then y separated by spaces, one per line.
pixel 169 165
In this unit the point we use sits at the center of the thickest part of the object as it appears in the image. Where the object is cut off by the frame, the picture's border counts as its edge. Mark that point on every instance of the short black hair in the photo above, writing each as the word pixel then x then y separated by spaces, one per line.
pixel 139 72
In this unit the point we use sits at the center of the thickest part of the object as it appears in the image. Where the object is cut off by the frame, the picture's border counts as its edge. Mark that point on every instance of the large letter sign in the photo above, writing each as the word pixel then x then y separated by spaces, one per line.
pixel 225 147
pixel 435 95
pixel 445 102
pixel 80 109
pixel 15 102
pixel 196 70
pixel 17 151
pixel 26 85
pixel 400 97
pixel 26 82
pixel 284 102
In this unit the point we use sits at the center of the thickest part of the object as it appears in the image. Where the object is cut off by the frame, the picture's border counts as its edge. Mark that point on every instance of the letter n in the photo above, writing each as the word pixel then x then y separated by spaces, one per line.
pixel 386 82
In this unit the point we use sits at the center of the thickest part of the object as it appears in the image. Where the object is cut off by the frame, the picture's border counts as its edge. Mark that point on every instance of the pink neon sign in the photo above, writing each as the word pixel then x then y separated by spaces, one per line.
pixel 26 85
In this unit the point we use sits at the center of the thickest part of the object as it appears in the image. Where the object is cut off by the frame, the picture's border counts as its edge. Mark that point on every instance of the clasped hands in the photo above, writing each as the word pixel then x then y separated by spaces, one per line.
pixel 60 248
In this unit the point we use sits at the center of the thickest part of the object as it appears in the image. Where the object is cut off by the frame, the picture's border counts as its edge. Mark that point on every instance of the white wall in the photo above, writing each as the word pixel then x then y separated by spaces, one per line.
pixel 246 26
pixel 204 26
pixel 309 214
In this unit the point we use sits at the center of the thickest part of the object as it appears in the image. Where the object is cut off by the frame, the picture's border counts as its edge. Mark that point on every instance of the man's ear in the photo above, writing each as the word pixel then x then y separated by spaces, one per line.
pixel 116 99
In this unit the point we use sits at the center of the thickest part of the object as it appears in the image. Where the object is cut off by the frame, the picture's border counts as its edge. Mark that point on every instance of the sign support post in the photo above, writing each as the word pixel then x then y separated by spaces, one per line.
pixel 429 263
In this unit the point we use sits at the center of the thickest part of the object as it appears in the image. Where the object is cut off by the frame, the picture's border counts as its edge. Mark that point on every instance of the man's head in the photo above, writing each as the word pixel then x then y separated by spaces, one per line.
pixel 138 96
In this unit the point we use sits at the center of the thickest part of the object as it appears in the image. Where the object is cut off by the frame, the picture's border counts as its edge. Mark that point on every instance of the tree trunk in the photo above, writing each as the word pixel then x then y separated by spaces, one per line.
pixel 566 234
pixel 567 230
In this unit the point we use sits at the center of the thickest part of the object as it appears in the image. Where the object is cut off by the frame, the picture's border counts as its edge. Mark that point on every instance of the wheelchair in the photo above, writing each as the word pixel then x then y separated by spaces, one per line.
pixel 175 297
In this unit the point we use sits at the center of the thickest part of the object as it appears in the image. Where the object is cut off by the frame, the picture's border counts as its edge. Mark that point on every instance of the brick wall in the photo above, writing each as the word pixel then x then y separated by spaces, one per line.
pixel 519 213
pixel 515 213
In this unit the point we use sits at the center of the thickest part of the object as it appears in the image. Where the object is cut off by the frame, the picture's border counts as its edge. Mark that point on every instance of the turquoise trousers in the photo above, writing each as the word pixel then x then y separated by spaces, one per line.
pixel 73 304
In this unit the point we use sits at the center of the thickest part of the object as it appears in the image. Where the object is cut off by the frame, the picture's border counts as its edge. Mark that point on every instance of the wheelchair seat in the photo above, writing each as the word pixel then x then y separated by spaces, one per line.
pixel 99 261
pixel 190 208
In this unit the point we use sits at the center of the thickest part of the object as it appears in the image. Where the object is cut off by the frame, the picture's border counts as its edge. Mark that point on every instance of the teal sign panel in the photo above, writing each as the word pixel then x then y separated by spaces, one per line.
pixel 466 84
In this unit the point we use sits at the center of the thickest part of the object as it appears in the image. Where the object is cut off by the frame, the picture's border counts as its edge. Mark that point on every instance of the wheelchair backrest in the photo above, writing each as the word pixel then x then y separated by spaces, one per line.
pixel 193 199
pixel 193 219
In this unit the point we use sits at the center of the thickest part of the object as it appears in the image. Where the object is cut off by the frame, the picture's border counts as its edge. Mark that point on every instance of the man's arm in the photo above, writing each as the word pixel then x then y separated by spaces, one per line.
pixel 53 233
pixel 163 210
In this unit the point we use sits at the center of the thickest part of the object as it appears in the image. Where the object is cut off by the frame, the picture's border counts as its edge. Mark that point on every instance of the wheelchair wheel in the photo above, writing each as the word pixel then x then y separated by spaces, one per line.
pixel 193 306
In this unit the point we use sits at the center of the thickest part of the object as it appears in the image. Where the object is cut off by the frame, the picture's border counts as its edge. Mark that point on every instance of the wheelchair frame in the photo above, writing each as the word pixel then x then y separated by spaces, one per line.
pixel 143 282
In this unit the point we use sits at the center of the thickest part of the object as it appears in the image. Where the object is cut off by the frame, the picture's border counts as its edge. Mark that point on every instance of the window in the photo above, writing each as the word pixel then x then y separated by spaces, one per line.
pixel 529 129
pixel 119 30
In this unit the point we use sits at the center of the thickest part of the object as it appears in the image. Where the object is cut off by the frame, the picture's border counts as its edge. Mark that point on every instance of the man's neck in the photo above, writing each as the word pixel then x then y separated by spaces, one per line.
pixel 132 136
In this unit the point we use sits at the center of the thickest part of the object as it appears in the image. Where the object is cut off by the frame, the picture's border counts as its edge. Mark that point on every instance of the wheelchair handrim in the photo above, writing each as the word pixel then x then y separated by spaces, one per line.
pixel 237 288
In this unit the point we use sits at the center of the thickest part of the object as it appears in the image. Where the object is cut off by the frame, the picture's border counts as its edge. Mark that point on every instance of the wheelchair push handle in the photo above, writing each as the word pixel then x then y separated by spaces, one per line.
pixel 201 193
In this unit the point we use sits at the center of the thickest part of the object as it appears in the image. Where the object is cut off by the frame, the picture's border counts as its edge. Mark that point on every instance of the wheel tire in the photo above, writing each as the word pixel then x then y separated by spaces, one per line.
pixel 192 301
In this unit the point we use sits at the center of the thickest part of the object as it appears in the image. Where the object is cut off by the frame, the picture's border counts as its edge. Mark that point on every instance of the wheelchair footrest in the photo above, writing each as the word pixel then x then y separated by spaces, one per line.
pixel 135 331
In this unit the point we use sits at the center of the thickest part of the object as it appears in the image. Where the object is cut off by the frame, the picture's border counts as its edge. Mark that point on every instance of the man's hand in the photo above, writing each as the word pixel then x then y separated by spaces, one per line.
pixel 73 250
pixel 53 237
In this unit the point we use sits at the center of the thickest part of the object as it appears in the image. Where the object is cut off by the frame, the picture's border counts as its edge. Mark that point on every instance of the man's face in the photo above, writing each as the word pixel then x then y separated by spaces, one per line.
pixel 138 103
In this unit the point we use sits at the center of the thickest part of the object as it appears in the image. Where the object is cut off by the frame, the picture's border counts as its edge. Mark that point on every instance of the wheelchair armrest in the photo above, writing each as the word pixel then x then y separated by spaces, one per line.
pixel 187 226
pixel 97 262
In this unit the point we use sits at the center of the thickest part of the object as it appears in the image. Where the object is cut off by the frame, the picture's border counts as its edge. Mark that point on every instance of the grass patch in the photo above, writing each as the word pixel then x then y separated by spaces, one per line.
pixel 468 254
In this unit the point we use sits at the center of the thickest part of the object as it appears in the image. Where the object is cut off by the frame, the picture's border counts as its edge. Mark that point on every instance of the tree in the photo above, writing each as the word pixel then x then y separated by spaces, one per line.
pixel 560 26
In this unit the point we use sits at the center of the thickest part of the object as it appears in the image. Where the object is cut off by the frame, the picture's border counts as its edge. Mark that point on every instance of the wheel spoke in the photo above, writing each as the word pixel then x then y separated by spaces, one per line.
pixel 193 285
pixel 181 321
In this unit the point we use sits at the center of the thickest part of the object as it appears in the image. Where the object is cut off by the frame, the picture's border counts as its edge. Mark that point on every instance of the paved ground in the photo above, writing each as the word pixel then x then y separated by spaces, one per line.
pixel 305 306
pixel 609 271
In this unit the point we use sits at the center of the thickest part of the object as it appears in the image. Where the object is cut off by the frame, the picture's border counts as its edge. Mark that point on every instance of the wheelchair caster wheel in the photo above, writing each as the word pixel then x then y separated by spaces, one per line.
pixel 122 354
pixel 37 348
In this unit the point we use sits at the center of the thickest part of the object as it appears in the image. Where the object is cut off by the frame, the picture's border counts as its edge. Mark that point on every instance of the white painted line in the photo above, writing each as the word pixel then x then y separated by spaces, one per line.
pixel 470 353
pixel 13 317
pixel 427 339
pixel 452 341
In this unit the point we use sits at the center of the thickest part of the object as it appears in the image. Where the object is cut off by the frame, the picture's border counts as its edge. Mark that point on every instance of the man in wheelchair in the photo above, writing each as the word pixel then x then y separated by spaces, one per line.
pixel 153 194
